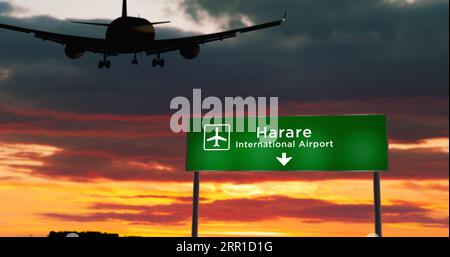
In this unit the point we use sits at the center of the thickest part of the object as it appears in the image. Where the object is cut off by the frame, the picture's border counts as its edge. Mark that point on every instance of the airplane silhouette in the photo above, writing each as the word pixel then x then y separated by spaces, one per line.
pixel 132 35
pixel 216 138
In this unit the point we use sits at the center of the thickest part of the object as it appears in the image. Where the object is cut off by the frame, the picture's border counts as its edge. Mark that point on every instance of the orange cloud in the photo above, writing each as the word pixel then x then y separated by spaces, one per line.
pixel 249 210
pixel 135 164
pixel 432 144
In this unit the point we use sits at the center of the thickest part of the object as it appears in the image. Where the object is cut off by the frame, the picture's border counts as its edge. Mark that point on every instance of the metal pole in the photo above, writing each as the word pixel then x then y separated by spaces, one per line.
pixel 377 203
pixel 195 204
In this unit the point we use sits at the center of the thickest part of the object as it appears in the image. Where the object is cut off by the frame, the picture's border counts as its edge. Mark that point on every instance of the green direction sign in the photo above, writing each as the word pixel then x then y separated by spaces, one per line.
pixel 302 143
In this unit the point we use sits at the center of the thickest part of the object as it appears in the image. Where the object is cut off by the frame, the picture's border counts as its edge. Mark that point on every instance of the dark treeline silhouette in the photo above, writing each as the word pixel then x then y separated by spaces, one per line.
pixel 89 234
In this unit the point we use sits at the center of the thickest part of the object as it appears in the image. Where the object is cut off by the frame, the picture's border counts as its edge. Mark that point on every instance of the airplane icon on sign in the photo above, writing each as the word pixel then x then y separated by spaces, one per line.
pixel 217 138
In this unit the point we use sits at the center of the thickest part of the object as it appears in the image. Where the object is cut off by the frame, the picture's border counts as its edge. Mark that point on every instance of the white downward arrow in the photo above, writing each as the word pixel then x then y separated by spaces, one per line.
pixel 284 160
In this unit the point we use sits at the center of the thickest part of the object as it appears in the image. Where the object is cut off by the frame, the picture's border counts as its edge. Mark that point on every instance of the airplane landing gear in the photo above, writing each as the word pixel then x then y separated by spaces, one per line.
pixel 158 61
pixel 105 63
pixel 135 60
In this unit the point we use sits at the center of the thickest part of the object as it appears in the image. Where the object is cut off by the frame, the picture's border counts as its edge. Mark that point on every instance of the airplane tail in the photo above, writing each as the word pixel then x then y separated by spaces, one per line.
pixel 125 14
pixel 124 9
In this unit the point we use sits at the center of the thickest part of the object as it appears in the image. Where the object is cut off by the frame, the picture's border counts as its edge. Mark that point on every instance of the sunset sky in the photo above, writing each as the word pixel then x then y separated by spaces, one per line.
pixel 89 150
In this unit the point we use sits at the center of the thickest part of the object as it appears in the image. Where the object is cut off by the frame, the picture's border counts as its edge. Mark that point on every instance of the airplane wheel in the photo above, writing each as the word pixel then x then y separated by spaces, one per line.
pixel 108 64
pixel 162 62
pixel 154 63
pixel 100 65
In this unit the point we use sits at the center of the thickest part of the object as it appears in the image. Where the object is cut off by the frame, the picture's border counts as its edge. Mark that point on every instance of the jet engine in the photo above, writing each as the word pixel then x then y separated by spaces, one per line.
pixel 74 52
pixel 190 51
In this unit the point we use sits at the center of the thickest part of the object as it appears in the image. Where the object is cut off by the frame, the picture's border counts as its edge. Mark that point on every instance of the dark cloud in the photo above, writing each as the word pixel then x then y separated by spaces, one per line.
pixel 248 210
pixel 330 57
pixel 409 119
pixel 142 148
pixel 58 124
pixel 419 164
pixel 175 198
pixel 352 48
pixel 328 50
pixel 89 166
pixel 5 7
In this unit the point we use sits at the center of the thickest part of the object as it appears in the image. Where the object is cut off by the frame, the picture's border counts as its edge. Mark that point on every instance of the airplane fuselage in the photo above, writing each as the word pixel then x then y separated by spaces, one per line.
pixel 130 34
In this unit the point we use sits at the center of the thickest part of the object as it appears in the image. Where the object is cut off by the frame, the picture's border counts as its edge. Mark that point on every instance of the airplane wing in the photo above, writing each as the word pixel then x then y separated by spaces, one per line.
pixel 167 45
pixel 218 138
pixel 95 45
pixel 222 139
pixel 211 139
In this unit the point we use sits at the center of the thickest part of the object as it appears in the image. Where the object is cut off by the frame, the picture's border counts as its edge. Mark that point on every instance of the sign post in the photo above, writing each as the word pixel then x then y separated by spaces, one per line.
pixel 377 203
pixel 195 204
pixel 357 143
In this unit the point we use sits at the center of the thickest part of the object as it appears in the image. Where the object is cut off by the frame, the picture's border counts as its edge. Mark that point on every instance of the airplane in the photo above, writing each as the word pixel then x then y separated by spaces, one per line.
pixel 132 35
pixel 216 138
